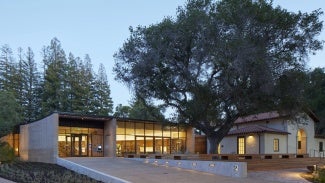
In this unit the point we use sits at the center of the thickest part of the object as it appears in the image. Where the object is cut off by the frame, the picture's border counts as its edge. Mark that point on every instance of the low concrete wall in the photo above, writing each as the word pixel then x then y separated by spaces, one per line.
pixel 89 172
pixel 231 169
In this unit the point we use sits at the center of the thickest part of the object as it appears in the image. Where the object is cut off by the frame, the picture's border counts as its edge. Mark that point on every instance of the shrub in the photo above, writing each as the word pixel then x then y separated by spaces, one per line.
pixel 6 152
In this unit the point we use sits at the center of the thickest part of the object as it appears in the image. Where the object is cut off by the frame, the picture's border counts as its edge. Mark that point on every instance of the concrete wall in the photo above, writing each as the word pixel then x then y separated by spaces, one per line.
pixel 190 141
pixel 231 169
pixel 110 138
pixel 89 172
pixel 39 140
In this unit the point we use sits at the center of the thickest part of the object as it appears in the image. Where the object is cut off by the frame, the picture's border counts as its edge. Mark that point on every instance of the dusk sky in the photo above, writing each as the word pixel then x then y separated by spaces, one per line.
pixel 100 27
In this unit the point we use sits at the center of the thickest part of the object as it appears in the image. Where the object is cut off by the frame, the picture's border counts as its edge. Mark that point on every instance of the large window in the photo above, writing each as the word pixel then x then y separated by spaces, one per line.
pixel 77 141
pixel 241 145
pixel 321 148
pixel 149 138
pixel 276 145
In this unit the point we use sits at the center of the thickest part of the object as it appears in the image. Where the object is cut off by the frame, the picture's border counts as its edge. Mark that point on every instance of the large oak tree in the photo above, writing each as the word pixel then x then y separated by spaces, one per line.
pixel 218 60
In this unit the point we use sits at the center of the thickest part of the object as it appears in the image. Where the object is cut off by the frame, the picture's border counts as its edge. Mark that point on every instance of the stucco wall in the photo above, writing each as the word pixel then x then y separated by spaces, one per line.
pixel 269 139
pixel 39 140
pixel 252 144
pixel 307 124
pixel 228 145
pixel 317 152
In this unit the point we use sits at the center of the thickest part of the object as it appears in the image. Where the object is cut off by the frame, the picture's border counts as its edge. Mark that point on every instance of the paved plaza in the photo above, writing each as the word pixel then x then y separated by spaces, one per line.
pixel 138 172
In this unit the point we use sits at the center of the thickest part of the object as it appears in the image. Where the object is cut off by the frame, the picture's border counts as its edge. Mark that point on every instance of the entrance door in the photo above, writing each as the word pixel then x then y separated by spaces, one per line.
pixel 166 145
pixel 79 145
pixel 241 145
pixel 149 145
pixel 301 142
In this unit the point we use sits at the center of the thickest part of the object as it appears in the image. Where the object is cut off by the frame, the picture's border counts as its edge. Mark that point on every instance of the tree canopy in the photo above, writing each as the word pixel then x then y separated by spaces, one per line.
pixel 65 83
pixel 140 109
pixel 9 113
pixel 218 60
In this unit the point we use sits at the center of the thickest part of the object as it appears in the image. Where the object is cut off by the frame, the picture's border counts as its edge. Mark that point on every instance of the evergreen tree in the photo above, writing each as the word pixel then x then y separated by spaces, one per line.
pixel 9 115
pixel 55 95
pixel 103 102
pixel 88 81
pixel 6 68
pixel 32 87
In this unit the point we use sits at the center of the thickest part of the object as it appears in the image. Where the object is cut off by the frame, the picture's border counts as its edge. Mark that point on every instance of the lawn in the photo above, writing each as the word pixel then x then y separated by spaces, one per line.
pixel 32 172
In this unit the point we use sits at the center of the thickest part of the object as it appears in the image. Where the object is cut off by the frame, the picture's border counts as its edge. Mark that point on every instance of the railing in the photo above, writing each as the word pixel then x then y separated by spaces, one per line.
pixel 321 154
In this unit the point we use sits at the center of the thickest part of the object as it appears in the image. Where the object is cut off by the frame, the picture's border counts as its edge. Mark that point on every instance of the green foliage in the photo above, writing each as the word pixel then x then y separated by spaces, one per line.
pixel 103 104
pixel 55 97
pixel 9 113
pixel 6 152
pixel 68 85
pixel 142 110
pixel 320 176
pixel 33 172
pixel 218 60
pixel 315 96
pixel 122 111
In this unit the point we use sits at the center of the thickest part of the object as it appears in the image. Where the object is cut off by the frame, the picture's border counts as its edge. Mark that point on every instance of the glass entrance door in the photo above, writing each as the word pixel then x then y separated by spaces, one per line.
pixel 149 145
pixel 79 145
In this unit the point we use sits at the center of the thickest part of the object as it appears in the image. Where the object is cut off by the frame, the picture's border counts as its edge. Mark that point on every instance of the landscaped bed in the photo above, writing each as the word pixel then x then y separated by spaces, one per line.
pixel 32 172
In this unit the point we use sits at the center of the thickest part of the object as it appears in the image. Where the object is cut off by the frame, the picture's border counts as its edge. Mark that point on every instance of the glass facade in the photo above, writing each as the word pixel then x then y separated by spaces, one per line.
pixel 149 138
pixel 86 138
pixel 80 141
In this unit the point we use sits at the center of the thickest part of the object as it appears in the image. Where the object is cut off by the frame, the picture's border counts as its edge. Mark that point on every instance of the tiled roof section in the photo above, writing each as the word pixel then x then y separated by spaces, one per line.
pixel 259 117
pixel 256 129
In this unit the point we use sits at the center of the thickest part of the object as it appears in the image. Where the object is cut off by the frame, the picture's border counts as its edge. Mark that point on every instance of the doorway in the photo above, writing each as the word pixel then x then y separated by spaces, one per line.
pixel 79 145
pixel 301 142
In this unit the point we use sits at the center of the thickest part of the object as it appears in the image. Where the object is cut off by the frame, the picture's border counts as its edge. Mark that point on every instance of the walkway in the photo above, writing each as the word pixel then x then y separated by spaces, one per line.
pixel 138 172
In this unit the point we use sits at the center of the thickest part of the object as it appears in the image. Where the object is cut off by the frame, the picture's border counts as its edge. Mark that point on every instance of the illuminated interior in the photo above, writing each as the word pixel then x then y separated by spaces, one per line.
pixel 149 138
pixel 77 141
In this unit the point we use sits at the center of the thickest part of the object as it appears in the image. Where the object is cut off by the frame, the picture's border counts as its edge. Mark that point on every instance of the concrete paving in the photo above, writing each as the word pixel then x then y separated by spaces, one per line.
pixel 138 172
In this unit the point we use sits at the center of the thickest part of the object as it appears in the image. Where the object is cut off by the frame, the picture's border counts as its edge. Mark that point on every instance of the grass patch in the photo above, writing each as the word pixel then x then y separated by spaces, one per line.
pixel 34 172
pixel 315 177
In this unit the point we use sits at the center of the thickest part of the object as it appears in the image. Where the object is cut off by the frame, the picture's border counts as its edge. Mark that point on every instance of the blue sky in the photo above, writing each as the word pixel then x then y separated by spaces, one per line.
pixel 99 27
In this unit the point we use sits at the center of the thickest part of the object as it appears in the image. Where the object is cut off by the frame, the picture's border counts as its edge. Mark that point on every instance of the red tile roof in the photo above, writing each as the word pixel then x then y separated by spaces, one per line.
pixel 259 117
pixel 256 129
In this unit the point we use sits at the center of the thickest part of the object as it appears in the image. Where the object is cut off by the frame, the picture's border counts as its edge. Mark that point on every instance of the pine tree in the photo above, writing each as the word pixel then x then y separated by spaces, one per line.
pixel 7 68
pixel 88 82
pixel 32 87
pixel 55 95
pixel 77 85
pixel 103 101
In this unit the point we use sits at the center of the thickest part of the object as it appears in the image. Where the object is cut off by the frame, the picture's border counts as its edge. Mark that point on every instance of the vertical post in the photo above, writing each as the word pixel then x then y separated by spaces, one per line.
pixel 110 138
pixel 190 140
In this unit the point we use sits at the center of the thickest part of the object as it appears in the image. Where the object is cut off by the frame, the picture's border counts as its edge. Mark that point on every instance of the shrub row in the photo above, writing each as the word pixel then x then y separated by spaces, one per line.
pixel 32 172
